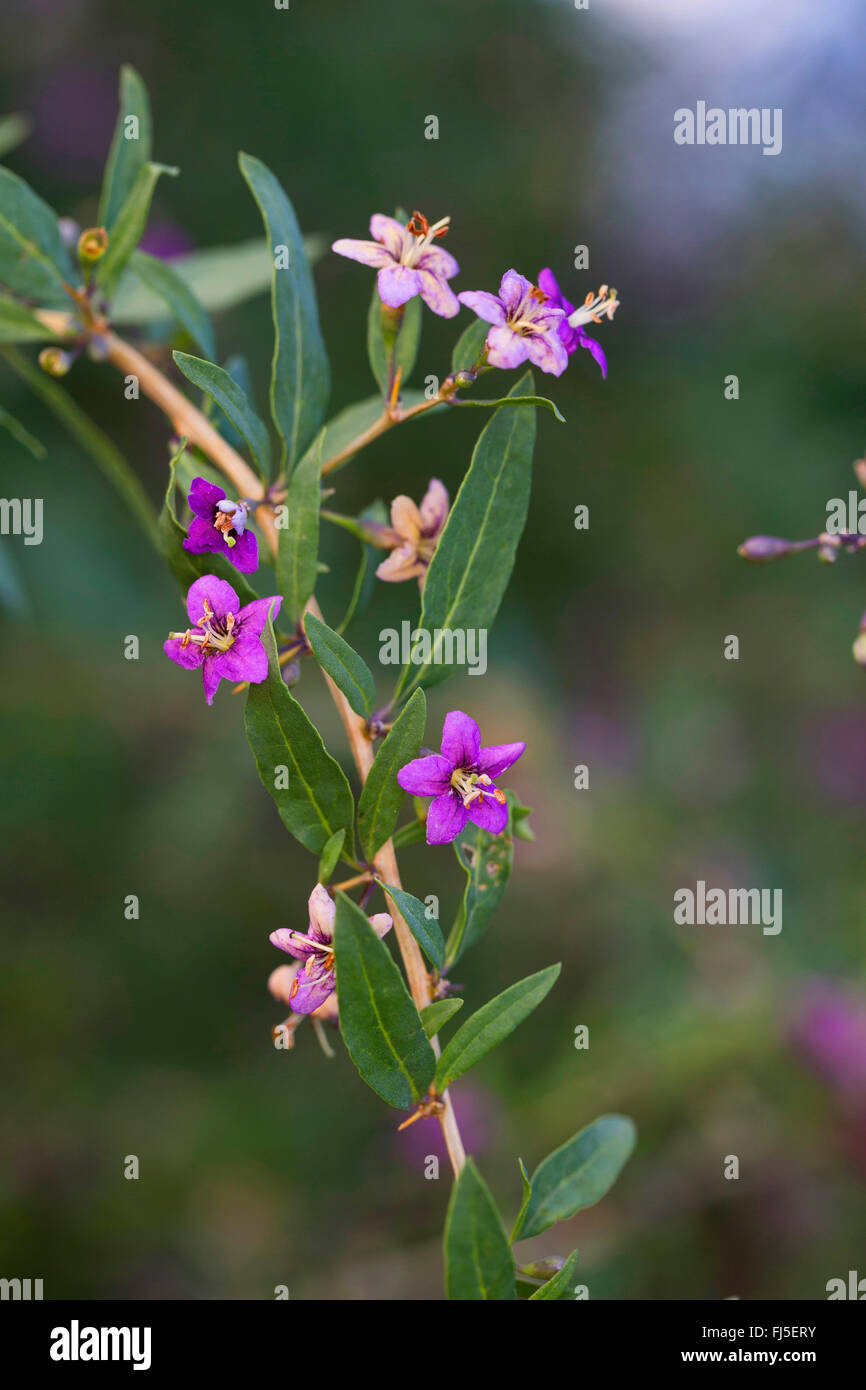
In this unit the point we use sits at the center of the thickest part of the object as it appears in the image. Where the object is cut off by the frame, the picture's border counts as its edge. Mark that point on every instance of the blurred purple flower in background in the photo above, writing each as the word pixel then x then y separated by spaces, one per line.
pixel 828 1030
pixel 477 1115
pixel 73 115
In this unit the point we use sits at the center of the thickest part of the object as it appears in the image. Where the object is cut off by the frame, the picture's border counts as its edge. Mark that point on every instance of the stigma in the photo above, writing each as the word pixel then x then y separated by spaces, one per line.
pixel 215 636
pixel 595 307
pixel 474 786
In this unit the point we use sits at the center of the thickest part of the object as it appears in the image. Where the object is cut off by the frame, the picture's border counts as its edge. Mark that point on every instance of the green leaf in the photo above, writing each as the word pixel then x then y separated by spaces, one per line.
pixel 520 817
pixel 486 860
pixel 388 352
pixel 473 561
pixel 478 1261
pixel 559 1287
pixel 491 1023
pixel 298 543
pixel 130 146
pixel 426 930
pixel 350 423
pixel 19 325
pixel 330 856
pixel 515 400
pixel 33 259
pixel 164 281
pixel 527 1192
pixel 131 221
pixel 382 795
pixel 436 1015
pixel 469 346
pixel 317 802
pixel 577 1175
pixel 14 130
pixel 378 1020
pixel 21 435
pixel 186 567
pixel 232 401
pixel 300 377
pixel 410 834
pixel 220 277
pixel 343 664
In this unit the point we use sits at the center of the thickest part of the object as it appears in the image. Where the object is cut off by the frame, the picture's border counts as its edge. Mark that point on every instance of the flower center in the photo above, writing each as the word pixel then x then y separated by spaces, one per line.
pixel 523 319
pixel 472 786
pixel 215 636
pixel 230 517
pixel 423 233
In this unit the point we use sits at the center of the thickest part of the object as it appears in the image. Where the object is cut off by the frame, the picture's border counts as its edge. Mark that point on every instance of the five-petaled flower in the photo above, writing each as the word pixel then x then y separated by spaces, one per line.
pixel 525 324
pixel 412 536
pixel 461 780
pixel 316 980
pixel 571 329
pixel 407 261
pixel 220 525
pixel 225 639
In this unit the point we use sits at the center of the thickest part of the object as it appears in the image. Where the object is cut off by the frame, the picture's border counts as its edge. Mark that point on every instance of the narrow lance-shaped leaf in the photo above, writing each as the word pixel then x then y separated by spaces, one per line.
pixel 469 346
pixel 560 1286
pixel 473 561
pixel 298 544
pixel 164 281
pixel 232 401
pixel 576 1175
pixel 130 224
pixel 492 1022
pixel 130 146
pixel 300 376
pixel 436 1015
pixel 310 788
pixel 392 340
pixel 19 325
pixel 21 435
pixel 478 1262
pixel 382 795
pixel 426 930
pixel 512 401
pixel 330 856
pixel 380 1024
pixel 33 259
pixel 14 130
pixel 343 664
pixel 486 860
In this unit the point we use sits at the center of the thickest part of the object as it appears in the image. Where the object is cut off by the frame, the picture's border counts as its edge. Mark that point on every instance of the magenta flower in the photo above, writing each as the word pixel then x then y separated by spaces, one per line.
pixel 413 534
pixel 315 982
pixel 225 639
pixel 461 780
pixel 407 261
pixel 572 334
pixel 524 324
pixel 220 526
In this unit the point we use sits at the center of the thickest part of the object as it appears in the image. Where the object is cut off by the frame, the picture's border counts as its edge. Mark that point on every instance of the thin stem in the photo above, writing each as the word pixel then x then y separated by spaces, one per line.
pixel 189 421
pixel 392 415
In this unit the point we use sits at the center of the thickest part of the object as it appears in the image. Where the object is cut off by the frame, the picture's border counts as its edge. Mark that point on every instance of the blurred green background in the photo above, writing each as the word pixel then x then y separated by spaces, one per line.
pixel 152 1037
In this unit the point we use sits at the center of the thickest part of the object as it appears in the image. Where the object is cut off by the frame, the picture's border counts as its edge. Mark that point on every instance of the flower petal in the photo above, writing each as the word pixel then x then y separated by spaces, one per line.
pixel 203 538
pixel 437 295
pixel 584 341
pixel 439 262
pixel 434 508
pixel 489 814
pixel 381 923
pixel 461 741
pixel 247 660
pixel 406 518
pixel 280 982
pixel 189 657
pixel 512 288
pixel 401 564
pixel 430 776
pixel 549 285
pixel 367 252
pixel 203 497
pixel 498 757
pixel 323 912
pixel 485 305
pixel 220 595
pixel 244 554
pixel 313 988
pixel 445 819
pixel 211 675
pixel 253 616
pixel 392 234
pixel 547 352
pixel 505 348
pixel 292 942
pixel 397 284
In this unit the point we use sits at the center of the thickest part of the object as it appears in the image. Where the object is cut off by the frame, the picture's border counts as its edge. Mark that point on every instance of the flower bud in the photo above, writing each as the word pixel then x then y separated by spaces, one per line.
pixel 464 378
pixel 93 244
pixel 55 361
pixel 828 548
pixel 762 549
pixel 860 470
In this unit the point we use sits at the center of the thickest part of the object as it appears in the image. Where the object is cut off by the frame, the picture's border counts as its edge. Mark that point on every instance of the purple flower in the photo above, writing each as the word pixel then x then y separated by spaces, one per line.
pixel 525 324
pixel 407 261
pixel 461 780
pixel 572 334
pixel 829 1031
pixel 315 982
pixel 225 639
pixel 220 525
